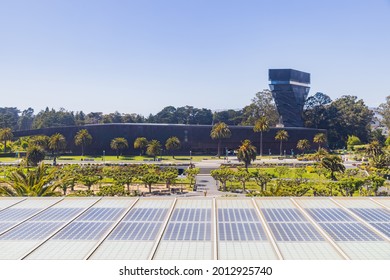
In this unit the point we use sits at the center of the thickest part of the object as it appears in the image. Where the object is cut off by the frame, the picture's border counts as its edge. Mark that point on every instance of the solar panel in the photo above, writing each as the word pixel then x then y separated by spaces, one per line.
pixel 349 232
pixel 146 214
pixel 239 224
pixel 191 215
pixel 372 214
pixel 282 215
pixel 188 231
pixel 83 231
pixel 17 214
pixel 31 231
pixel 382 227
pixel 239 215
pixel 378 218
pixel 295 232
pixel 4 226
pixel 189 224
pixel 135 231
pixel 57 214
pixel 329 215
pixel 101 214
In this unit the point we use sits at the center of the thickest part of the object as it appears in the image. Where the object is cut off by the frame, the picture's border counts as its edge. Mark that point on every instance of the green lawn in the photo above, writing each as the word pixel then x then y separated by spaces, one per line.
pixel 134 158
pixel 291 173
pixel 8 159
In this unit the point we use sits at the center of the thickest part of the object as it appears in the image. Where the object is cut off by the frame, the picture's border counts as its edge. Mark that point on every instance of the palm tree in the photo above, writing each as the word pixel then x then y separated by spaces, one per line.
pixel 153 149
pixel 319 138
pixel 374 149
pixel 261 125
pixel 333 164
pixel 6 135
pixel 57 142
pixel 281 135
pixel 140 143
pixel 303 145
pixel 82 138
pixel 172 143
pixel 34 155
pixel 119 144
pixel 36 182
pixel 39 140
pixel 220 131
pixel 246 153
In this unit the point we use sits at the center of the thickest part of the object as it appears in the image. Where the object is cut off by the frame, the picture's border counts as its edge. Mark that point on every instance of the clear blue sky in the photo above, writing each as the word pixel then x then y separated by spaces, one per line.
pixel 138 56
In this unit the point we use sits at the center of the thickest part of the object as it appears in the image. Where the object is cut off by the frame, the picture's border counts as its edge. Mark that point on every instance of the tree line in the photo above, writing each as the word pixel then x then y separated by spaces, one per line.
pixel 342 117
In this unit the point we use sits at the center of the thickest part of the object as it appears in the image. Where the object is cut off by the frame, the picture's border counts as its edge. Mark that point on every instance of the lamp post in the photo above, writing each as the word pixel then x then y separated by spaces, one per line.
pixel 190 157
pixel 104 154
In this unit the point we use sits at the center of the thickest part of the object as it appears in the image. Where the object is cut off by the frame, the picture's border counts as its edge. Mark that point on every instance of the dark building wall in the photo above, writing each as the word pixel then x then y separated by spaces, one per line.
pixel 193 137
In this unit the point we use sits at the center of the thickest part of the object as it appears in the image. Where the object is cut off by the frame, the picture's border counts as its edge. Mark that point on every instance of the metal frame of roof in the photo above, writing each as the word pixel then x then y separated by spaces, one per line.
pixel 201 228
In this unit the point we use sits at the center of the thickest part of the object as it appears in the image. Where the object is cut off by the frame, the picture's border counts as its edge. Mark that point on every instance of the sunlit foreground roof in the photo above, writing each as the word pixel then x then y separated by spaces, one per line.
pixel 194 228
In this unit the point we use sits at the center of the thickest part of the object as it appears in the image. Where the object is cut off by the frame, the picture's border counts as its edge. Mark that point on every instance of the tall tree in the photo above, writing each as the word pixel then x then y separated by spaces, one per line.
pixel 6 135
pixel 166 115
pixel 281 135
pixel 246 153
pixel 82 138
pixel 57 142
pixel 262 105
pixel 153 149
pixel 303 145
pixel 314 113
pixel 9 117
pixel 220 131
pixel 261 125
pixel 172 144
pixel 25 121
pixel 348 116
pixel 319 138
pixel 384 110
pixel 52 118
pixel 119 144
pixel 141 143
pixel 230 117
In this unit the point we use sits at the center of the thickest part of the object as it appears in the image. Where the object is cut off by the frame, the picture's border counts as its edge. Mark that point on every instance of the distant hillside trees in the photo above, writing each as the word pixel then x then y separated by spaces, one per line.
pixel 345 116
pixel 9 117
